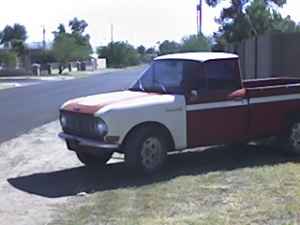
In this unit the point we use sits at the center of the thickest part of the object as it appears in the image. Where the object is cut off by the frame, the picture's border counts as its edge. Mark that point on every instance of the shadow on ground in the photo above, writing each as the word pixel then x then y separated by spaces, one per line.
pixel 72 181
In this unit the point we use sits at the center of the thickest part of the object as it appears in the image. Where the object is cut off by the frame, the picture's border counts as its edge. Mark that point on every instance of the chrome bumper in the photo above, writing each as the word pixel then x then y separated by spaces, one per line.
pixel 87 142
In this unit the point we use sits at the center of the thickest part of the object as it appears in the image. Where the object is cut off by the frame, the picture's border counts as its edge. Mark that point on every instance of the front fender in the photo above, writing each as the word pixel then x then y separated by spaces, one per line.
pixel 168 111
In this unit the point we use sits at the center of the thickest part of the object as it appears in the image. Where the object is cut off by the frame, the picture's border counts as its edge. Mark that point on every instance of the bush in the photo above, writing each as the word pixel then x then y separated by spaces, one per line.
pixel 119 54
pixel 195 43
pixel 8 59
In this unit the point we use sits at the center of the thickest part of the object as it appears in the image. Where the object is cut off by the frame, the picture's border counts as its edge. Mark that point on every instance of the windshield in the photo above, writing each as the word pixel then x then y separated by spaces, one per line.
pixel 163 76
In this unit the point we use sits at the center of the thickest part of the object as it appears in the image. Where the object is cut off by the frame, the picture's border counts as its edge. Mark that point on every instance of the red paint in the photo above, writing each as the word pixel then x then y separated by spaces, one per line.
pixel 92 109
pixel 216 126
pixel 241 93
pixel 237 123
pixel 269 119
pixel 86 109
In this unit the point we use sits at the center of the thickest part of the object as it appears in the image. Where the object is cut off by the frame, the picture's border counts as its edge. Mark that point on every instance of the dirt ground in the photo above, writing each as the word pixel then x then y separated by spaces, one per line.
pixel 42 183
pixel 28 197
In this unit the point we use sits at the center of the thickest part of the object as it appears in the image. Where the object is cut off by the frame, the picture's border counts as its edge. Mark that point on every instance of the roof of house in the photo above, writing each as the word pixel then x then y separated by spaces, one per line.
pixel 199 56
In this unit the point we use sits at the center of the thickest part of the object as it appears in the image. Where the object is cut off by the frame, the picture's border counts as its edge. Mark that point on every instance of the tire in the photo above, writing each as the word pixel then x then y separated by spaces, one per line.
pixel 290 143
pixel 146 150
pixel 238 146
pixel 94 160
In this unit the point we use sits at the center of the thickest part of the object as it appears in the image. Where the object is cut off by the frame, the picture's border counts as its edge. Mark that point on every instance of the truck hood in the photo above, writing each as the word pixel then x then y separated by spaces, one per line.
pixel 104 102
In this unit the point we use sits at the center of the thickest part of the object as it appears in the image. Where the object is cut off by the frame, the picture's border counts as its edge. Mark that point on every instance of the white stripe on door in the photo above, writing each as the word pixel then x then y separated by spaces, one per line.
pixel 231 103
pixel 277 98
pixel 216 105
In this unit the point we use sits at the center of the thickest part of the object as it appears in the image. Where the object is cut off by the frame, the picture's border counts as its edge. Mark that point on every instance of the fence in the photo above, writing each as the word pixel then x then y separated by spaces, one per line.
pixel 270 55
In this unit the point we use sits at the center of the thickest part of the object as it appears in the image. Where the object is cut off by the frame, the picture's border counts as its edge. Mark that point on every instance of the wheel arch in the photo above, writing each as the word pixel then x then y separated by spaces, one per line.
pixel 151 125
pixel 293 116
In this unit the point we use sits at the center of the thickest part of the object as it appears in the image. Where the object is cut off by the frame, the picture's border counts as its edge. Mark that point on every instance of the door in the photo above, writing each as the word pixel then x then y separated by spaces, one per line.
pixel 217 108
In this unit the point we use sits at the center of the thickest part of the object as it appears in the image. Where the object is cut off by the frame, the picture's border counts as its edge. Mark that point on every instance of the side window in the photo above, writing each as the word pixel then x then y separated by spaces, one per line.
pixel 194 79
pixel 147 79
pixel 222 75
pixel 169 72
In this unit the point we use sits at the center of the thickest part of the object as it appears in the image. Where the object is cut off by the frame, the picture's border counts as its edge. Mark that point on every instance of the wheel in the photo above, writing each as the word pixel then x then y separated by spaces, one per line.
pixel 94 160
pixel 89 159
pixel 292 140
pixel 146 150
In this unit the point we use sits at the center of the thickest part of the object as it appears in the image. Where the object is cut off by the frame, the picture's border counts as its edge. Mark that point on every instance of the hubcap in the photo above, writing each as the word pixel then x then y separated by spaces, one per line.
pixel 152 154
pixel 295 137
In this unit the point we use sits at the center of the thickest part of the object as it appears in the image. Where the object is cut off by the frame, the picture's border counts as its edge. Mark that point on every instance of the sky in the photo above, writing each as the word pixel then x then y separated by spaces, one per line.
pixel 138 22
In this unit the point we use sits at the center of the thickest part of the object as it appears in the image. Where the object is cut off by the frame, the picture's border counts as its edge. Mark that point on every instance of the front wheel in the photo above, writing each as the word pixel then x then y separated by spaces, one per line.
pixel 146 151
pixel 94 160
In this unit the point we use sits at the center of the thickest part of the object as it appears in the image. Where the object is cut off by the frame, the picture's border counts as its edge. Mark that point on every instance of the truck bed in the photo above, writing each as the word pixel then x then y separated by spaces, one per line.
pixel 272 87
pixel 271 101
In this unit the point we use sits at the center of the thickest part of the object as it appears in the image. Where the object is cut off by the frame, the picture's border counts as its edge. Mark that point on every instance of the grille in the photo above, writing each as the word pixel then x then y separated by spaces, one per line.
pixel 80 125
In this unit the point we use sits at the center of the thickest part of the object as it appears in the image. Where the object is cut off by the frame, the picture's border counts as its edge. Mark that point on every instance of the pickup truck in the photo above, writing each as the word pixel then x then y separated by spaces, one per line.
pixel 182 101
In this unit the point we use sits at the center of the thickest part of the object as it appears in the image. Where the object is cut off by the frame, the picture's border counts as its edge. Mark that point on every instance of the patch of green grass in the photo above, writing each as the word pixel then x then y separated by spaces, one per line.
pixel 264 194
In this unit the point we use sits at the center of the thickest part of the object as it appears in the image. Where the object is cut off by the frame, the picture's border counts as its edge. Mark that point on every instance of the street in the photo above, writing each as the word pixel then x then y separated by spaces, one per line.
pixel 25 108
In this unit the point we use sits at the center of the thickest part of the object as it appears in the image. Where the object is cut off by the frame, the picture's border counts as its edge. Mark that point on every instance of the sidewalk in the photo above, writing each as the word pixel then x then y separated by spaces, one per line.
pixel 18 81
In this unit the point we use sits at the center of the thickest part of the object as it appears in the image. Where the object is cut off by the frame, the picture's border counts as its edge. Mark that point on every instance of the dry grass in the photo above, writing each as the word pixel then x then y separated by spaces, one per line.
pixel 6 86
pixel 219 186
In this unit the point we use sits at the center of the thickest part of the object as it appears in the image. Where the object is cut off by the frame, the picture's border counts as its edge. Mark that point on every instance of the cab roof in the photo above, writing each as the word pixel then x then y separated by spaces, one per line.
pixel 199 56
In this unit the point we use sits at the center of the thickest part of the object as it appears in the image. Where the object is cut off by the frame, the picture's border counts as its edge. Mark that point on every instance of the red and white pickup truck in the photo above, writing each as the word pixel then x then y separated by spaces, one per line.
pixel 182 101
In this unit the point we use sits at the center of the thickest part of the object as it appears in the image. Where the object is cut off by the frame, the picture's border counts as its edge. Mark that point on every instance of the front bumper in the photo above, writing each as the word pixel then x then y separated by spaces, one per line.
pixel 88 142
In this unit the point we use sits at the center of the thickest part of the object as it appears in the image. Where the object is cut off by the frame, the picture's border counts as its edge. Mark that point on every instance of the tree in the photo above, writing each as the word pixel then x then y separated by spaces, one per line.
pixel 119 54
pixel 42 56
pixel 78 26
pixel 71 46
pixel 15 32
pixel 66 49
pixel 150 51
pixel 168 47
pixel 141 50
pixel 244 19
pixel 8 59
pixel 14 37
pixel 286 24
pixel 61 29
pixel 195 43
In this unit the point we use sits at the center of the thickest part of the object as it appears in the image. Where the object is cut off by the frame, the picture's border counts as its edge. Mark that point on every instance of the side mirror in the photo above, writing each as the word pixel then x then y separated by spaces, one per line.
pixel 194 93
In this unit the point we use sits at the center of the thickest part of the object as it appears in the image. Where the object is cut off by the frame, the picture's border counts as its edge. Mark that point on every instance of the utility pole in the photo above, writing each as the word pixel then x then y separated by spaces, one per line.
pixel 111 43
pixel 44 38
pixel 112 33
pixel 199 17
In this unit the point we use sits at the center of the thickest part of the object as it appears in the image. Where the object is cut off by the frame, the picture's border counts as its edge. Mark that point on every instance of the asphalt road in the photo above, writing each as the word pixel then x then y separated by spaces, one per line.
pixel 24 108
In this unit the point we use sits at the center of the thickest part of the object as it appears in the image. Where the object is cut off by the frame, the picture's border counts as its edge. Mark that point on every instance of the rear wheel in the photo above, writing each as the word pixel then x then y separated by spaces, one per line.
pixel 146 150
pixel 292 140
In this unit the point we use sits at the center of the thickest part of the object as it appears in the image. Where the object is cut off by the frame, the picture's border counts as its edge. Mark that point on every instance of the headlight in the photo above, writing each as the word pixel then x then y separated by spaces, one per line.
pixel 63 120
pixel 101 128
